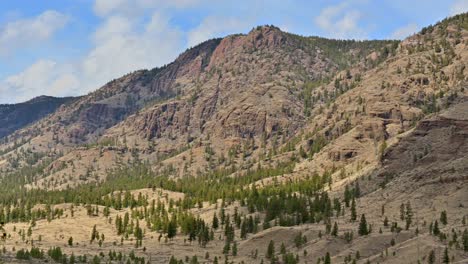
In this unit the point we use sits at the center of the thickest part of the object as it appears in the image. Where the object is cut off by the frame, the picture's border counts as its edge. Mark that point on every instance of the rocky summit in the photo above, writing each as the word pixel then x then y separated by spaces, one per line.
pixel 265 147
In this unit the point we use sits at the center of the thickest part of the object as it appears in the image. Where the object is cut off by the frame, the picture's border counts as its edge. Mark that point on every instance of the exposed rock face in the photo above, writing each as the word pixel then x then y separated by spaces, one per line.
pixel 437 148
pixel 84 120
pixel 240 94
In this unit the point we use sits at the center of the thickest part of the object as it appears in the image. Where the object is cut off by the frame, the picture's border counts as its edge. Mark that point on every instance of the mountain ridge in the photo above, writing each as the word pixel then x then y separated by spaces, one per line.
pixel 282 137
pixel 22 114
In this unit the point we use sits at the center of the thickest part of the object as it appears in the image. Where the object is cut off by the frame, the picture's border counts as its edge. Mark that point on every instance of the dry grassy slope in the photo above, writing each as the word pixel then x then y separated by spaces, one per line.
pixel 434 181
pixel 429 186
pixel 388 102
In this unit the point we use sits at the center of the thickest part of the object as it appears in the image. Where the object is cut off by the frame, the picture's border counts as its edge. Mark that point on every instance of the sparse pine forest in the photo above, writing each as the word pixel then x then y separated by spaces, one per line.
pixel 344 172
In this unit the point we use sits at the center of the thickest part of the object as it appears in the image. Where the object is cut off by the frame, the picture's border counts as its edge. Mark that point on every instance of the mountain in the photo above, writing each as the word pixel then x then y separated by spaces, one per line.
pixel 351 149
pixel 206 91
pixel 16 116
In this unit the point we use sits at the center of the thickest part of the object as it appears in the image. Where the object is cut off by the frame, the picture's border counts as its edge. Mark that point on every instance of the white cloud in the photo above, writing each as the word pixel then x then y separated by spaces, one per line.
pixel 340 21
pixel 459 6
pixel 42 77
pixel 214 27
pixel 404 31
pixel 120 45
pixel 64 85
pixel 135 7
pixel 105 7
pixel 123 42
pixel 112 26
pixel 120 48
pixel 27 32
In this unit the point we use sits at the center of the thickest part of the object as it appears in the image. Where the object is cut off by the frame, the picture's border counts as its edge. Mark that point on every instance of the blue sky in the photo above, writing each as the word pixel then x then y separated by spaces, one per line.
pixel 72 47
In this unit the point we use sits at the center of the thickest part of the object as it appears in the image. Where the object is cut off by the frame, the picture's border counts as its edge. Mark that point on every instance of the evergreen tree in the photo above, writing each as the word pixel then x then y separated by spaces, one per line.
pixel 227 247
pixel 243 233
pixel 402 211
pixel 234 249
pixel 173 260
pixel 363 229
pixel 347 196
pixel 446 258
pixel 94 234
pixel 282 249
pixel 353 210
pixel 327 259
pixel 409 215
pixel 357 189
pixel 171 229
pixel 443 217
pixel 385 222
pixel 465 240
pixel 215 221
pixel 271 250
pixel 334 231
pixel 106 211
pixel 435 228
pixel 431 258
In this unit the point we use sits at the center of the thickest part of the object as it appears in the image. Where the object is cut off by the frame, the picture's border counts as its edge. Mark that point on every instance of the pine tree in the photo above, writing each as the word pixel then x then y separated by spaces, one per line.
pixel 353 210
pixel 385 222
pixel 173 260
pixel 357 190
pixel 243 233
pixel 227 247
pixel 409 215
pixel 106 211
pixel 72 259
pixel 328 227
pixel 443 217
pixel 327 259
pixel 282 249
pixel 234 249
pixel 171 229
pixel 347 196
pixel 465 239
pixel 363 229
pixel 335 230
pixel 215 222
pixel 402 212
pixel 446 258
pixel 271 250
pixel 431 258
pixel 94 234
pixel 70 241
pixel 435 228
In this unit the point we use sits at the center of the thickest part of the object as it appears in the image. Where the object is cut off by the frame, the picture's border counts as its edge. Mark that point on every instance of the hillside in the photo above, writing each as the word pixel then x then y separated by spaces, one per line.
pixel 208 90
pixel 261 147
pixel 17 116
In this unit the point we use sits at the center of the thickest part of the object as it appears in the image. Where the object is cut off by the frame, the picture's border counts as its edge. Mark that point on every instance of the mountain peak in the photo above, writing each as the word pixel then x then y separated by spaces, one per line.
pixel 265 28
